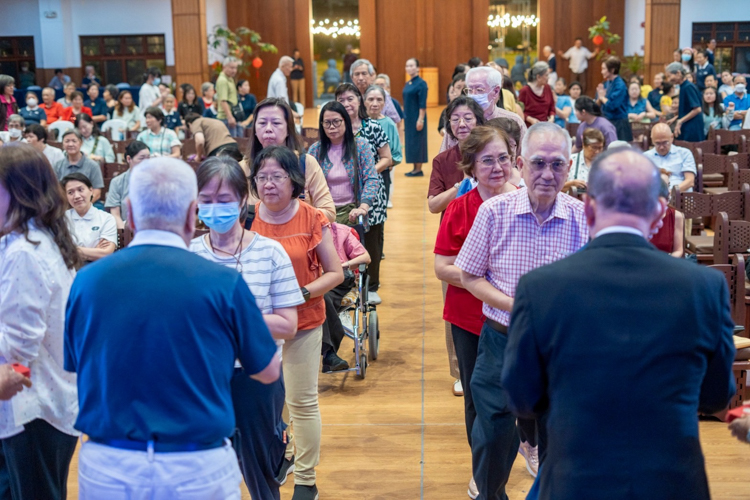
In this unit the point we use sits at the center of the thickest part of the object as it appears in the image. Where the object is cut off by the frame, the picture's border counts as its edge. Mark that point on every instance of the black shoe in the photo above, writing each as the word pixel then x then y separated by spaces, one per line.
pixel 414 173
pixel 333 363
pixel 302 492
pixel 286 468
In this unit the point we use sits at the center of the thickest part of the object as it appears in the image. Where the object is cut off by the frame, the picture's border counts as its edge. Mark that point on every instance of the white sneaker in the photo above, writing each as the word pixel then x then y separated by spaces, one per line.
pixel 374 298
pixel 458 389
pixel 473 491
pixel 531 454
pixel 389 205
pixel 346 321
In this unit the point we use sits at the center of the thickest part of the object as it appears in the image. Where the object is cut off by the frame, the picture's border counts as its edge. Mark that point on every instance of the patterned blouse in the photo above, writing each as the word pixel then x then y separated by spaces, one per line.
pixel 377 138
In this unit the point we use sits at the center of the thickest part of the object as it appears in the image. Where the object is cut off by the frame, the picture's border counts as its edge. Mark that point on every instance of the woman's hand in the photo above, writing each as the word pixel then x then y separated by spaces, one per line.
pixel 420 125
pixel 355 213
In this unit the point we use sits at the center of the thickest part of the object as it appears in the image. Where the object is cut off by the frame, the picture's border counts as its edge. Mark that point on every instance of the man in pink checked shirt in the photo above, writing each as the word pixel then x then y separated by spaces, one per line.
pixel 513 234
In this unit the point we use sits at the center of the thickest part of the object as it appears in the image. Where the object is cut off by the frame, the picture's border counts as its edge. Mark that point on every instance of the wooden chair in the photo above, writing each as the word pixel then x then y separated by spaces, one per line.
pixel 309 136
pixel 119 148
pixel 731 138
pixel 737 177
pixel 716 168
pixel 642 132
pixel 243 143
pixel 640 144
pixel 188 148
pixel 110 170
pixel 572 128
pixel 700 148
pixel 731 236
pixel 124 237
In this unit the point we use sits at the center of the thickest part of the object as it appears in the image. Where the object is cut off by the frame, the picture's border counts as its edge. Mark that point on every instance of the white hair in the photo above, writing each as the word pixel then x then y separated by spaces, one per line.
pixel 676 67
pixel 384 77
pixel 545 128
pixel 230 60
pixel 284 60
pixel 359 62
pixel 161 191
pixel 206 86
pixel 493 76
pixel 375 88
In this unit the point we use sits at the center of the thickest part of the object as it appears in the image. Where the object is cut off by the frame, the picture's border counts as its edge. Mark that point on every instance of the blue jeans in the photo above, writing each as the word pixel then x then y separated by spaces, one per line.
pixel 236 131
pixel 494 438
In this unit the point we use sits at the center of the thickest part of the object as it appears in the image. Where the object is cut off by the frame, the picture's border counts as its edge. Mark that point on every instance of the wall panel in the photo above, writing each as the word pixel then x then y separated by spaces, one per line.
pixel 190 41
pixel 662 34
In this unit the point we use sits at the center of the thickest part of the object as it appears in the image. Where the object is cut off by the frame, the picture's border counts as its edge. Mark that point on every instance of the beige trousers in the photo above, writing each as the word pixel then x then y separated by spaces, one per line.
pixel 452 358
pixel 301 364
pixel 298 91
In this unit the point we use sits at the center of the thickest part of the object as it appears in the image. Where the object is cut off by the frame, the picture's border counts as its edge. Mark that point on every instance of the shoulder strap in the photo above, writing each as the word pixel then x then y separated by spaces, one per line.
pixel 302 163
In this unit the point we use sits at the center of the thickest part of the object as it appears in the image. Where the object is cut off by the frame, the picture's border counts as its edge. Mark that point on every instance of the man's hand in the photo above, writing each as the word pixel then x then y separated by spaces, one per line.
pixel 11 382
pixel 677 127
pixel 740 428
pixel 231 120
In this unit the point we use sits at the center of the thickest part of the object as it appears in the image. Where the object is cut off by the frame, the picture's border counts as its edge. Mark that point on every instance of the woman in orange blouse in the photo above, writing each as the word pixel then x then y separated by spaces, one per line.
pixel 70 114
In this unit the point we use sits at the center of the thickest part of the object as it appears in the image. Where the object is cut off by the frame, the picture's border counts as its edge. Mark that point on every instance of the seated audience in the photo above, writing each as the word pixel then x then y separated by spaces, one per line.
pixel 714 116
pixel 77 161
pixel 16 126
pixel 670 113
pixel 352 254
pixel 110 94
pixel 710 81
pixel 676 163
pixel 117 194
pixel 559 356
pixel 159 139
pixel 536 97
pixel 36 136
pixel 212 137
pixel 727 84
pixel 737 103
pixel 94 231
pixel 59 80
pixel 563 104
pixel 593 145
pixel 671 235
pixel 90 78
pixel 247 100
pixel 95 145
pixel 654 97
pixel 172 118
pixel 190 103
pixel 76 108
pixel 32 112
pixel 574 90
pixel 66 101
pixel 208 91
pixel 127 111
pixel 38 262
pixel 52 109
pixel 99 109
pixel 589 114
pixel 639 109
pixel 703 69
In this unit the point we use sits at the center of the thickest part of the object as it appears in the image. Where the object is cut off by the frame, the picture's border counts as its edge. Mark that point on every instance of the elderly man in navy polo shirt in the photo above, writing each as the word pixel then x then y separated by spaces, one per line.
pixel 154 370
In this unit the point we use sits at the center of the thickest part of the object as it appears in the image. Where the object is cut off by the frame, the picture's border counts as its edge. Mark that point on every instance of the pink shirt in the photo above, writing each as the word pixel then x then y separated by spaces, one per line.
pixel 347 244
pixel 338 178
pixel 506 241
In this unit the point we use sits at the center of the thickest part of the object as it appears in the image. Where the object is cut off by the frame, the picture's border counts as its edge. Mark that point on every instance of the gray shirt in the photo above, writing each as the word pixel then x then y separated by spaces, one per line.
pixel 85 166
pixel 118 193
pixel 277 86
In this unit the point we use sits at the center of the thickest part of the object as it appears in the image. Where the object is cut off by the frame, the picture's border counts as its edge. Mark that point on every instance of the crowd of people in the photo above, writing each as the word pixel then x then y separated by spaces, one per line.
pixel 249 305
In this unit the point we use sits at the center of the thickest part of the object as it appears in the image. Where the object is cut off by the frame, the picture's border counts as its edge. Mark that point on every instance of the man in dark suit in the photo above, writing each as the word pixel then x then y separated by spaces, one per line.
pixel 619 346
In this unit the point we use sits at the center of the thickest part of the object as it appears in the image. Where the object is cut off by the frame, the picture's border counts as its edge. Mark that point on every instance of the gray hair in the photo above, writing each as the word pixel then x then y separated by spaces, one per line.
pixel 230 60
pixel 375 88
pixel 537 69
pixel 285 59
pixel 676 67
pixel 618 189
pixel 384 77
pixel 17 119
pixel 359 62
pixel 493 76
pixel 205 86
pixel 161 191
pixel 546 128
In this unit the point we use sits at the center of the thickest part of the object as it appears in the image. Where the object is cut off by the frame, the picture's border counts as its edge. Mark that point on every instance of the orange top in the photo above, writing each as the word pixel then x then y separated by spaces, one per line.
pixel 300 237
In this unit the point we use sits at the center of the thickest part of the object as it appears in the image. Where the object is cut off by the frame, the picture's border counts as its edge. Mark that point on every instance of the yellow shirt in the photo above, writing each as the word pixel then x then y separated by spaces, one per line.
pixel 645 90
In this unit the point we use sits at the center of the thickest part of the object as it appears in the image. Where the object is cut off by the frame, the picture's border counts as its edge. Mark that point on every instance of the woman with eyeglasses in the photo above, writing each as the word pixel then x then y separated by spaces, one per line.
pixel 305 234
pixel 273 125
pixel 593 145
pixel 486 155
pixel 267 269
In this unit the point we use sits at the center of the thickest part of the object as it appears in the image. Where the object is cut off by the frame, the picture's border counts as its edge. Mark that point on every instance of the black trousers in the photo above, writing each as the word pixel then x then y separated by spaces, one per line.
pixel 386 176
pixel 374 245
pixel 333 331
pixel 466 344
pixel 37 462
pixel 624 129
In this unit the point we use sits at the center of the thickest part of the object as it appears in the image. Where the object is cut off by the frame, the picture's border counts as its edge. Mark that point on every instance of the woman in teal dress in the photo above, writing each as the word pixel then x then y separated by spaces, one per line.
pixel 415 110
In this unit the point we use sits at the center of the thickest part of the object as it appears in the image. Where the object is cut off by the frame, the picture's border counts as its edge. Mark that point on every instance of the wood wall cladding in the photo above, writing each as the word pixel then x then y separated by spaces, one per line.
pixel 662 34
pixel 190 41
pixel 562 21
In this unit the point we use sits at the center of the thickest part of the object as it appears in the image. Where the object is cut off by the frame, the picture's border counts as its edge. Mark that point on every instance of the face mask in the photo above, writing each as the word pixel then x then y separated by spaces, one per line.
pixel 219 216
pixel 31 103
pixel 482 99
pixel 157 81
pixel 686 57
pixel 15 132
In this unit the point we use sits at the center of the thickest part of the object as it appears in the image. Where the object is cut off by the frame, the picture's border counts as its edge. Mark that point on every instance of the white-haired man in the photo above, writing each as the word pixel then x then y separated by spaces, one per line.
pixel 277 83
pixel 485 86
pixel 159 424
pixel 363 75
pixel 226 95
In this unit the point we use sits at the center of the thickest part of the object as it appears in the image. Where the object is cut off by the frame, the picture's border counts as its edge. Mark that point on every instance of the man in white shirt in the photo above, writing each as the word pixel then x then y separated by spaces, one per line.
pixel 277 83
pixel 675 163
pixel 579 56
pixel 150 95
pixel 549 55
pixel 36 135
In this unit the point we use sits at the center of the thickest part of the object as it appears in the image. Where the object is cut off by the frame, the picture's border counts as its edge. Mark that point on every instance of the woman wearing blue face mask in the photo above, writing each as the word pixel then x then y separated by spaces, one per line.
pixel 150 95
pixel 267 270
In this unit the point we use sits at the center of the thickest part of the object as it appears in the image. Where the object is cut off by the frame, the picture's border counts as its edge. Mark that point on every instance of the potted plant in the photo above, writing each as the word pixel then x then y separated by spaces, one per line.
pixel 243 43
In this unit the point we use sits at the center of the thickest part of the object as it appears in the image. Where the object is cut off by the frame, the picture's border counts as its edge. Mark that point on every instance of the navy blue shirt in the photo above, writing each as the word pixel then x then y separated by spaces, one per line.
pixel 552 63
pixel 98 107
pixel 690 98
pixel 88 81
pixel 33 116
pixel 397 105
pixel 701 74
pixel 172 120
pixel 248 101
pixel 654 97
pixel 159 366
pixel 616 107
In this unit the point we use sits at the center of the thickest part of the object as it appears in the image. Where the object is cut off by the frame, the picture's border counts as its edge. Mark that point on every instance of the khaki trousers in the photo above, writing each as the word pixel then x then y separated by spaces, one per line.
pixel 298 91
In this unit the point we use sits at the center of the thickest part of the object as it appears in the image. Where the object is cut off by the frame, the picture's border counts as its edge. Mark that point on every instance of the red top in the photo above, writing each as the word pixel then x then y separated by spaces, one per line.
pixel 445 173
pixel 461 307
pixel 69 115
pixel 664 239
pixel 54 111
pixel 539 107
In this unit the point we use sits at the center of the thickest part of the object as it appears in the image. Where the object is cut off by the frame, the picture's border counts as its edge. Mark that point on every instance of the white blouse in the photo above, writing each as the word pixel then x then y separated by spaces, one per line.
pixel 34 288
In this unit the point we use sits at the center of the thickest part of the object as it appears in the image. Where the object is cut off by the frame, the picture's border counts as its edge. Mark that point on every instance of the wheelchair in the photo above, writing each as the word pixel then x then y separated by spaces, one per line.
pixel 363 329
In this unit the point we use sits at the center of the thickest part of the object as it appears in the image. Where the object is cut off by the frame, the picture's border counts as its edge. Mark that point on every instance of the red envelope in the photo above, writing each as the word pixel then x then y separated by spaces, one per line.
pixel 23 370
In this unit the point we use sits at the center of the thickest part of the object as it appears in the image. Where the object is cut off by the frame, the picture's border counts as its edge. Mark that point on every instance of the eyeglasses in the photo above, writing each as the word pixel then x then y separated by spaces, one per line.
pixel 476 90
pixel 468 120
pixel 489 161
pixel 275 179
pixel 333 123
pixel 594 147
pixel 557 166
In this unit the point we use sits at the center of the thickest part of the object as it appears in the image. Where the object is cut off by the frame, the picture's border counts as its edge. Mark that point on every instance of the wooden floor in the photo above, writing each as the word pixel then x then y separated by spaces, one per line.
pixel 399 434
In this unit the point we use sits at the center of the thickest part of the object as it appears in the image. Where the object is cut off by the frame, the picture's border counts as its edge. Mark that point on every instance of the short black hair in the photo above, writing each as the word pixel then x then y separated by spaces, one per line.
pixel 75 94
pixel 135 147
pixel 58 71
pixel 613 65
pixel 76 176
pixel 156 113
pixel 191 117
pixel 39 131
pixel 153 71
pixel 288 160
pixel 475 62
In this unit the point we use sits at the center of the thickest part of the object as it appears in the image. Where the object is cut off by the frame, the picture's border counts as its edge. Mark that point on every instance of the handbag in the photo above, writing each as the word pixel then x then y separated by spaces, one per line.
pixel 238 112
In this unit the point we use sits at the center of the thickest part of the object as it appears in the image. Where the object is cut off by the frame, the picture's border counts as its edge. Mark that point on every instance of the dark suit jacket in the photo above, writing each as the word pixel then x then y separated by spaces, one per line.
pixel 621 345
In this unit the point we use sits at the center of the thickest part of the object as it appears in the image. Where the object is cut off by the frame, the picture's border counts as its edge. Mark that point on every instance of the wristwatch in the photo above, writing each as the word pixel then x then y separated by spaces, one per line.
pixel 457 185
pixel 305 293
